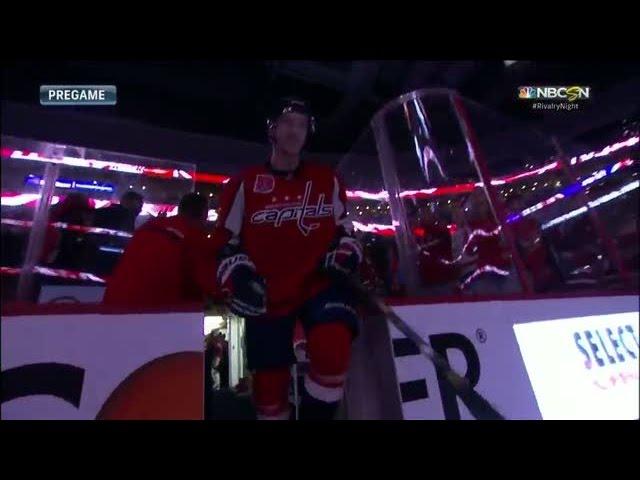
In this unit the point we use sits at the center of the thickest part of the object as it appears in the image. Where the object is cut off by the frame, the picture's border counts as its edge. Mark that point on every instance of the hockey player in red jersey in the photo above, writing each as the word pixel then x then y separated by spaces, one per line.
pixel 286 229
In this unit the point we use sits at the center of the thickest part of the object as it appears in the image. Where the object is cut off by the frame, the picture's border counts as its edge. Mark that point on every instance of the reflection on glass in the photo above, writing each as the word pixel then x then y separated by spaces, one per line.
pixel 573 228
pixel 99 198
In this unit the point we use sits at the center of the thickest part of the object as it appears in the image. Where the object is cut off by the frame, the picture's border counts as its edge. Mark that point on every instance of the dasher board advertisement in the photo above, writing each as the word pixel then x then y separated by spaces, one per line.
pixel 583 367
pixel 102 366
pixel 531 359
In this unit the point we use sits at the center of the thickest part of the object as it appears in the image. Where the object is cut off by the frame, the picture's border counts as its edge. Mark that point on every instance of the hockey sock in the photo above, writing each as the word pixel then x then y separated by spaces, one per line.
pixel 328 348
pixel 270 393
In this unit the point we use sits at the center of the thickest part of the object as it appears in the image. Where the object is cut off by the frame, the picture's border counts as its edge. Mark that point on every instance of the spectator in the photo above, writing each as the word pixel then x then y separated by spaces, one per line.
pixel 213 357
pixel 168 261
pixel 120 216
pixel 222 365
pixel 64 248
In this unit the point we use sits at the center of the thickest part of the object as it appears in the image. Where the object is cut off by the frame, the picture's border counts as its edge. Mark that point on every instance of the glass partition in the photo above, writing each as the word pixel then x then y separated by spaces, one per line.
pixel 97 198
pixel 452 198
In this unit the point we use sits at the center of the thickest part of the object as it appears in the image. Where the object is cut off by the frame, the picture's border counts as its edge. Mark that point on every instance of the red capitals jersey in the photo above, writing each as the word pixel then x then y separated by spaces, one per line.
pixel 169 261
pixel 285 223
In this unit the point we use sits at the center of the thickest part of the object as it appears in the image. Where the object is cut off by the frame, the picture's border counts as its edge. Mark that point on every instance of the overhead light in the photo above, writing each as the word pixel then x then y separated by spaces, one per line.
pixel 71 184
pixel 508 63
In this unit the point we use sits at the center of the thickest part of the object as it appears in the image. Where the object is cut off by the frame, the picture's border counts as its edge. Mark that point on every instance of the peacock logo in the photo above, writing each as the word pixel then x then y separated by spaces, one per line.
pixel 525 92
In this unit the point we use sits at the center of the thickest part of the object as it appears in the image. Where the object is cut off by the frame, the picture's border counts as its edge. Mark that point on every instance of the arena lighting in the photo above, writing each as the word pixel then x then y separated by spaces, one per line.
pixel 167 173
pixel 381 229
pixel 606 150
pixel 70 227
pixel 71 184
pixel 481 270
pixel 11 199
pixel 222 179
pixel 111 249
pixel 374 228
pixel 598 201
pixel 14 199
pixel 572 189
pixel 468 187
pixel 562 218
pixel 451 189
pixel 382 195
pixel 388 229
pixel 567 192
pixel 476 233
pixel 56 272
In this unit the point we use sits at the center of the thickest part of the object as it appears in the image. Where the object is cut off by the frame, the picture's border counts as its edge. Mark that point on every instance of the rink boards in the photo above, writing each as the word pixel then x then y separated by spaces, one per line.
pixel 562 358
pixel 89 362
pixel 553 358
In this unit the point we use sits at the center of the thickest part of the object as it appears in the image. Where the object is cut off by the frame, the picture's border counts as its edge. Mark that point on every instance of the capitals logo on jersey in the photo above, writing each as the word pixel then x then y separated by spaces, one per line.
pixel 298 212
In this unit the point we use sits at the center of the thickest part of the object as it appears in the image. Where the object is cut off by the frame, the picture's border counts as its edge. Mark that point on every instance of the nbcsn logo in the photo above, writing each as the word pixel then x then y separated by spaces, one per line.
pixel 554 93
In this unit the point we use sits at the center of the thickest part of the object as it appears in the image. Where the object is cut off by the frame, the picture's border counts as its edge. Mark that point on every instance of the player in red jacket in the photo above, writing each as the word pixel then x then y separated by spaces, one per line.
pixel 286 229
pixel 169 261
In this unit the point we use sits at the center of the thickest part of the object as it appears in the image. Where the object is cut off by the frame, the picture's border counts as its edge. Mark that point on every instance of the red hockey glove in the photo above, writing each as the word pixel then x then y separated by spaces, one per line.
pixel 244 288
pixel 345 258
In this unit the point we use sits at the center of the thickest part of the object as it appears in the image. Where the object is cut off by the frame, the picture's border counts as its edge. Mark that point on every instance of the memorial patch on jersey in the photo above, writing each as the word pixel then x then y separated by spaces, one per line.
pixel 264 183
